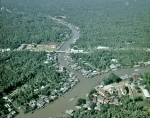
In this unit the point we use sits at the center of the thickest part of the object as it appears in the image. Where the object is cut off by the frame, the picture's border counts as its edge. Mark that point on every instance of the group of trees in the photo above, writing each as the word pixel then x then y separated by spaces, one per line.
pixel 128 109
pixel 146 80
pixel 102 58
pixel 112 78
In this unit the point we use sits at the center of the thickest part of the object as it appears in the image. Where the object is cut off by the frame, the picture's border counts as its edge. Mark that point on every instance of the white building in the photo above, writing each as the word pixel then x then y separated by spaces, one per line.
pixel 102 47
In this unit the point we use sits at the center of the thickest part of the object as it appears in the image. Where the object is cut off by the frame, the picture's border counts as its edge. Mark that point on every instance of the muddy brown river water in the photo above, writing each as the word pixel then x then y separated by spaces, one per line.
pixel 67 102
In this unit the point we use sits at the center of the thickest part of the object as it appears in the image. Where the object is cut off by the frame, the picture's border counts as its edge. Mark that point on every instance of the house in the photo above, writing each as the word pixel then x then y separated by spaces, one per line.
pixel 70 112
pixel 91 106
pixel 112 66
pixel 83 112
pixel 66 85
pixel 32 103
pixel 97 106
pixel 98 69
pixel 111 90
pixel 145 92
pixel 107 87
pixel 78 107
pixel 136 78
pixel 42 97
pixel 110 98
pixel 114 60
pixel 106 101
pixel 7 105
pixel 9 116
pixel 42 87
pixel 9 109
pixel 4 50
pixel 119 91
pixel 40 103
pixel 5 98
pixel 95 94
pixel 118 65
pixel 147 63
pixel 63 90
pixel 124 77
pixel 47 100
pixel 102 92
pixel 100 99
pixel 123 90
pixel 87 104
pixel 53 97
pixel 130 92
pixel 13 112
pixel 102 48
pixel 94 99
pixel 53 46
pixel 61 68
pixel 115 101
pixel 76 51
pixel 135 66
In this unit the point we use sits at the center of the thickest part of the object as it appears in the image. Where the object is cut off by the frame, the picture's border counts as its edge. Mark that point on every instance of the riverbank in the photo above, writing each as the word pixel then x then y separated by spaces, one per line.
pixel 57 109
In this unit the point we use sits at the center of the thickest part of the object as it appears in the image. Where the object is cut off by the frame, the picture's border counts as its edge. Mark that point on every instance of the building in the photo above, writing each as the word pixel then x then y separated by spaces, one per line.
pixel 114 60
pixel 106 101
pixel 123 90
pixel 146 93
pixel 112 66
pixel 32 103
pixel 76 51
pixel 102 48
pixel 100 99
pixel 53 46
pixel 70 112
pixel 102 92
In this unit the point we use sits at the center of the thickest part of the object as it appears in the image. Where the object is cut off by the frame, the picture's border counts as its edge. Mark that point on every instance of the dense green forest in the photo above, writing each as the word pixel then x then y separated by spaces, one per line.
pixel 18 28
pixel 123 23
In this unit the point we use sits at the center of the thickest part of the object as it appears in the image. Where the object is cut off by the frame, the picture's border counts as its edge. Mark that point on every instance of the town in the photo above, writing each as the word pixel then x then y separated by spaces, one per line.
pixel 130 86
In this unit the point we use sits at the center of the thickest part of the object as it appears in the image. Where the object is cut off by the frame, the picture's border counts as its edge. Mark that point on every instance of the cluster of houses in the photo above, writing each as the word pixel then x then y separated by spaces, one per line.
pixel 5 50
pixel 106 95
pixel 10 107
pixel 115 65
pixel 111 94
pixel 145 63
pixel 51 58
pixel 66 84
pixel 86 73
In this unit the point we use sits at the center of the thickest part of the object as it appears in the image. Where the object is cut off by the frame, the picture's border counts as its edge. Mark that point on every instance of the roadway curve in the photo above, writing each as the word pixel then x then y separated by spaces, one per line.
pixel 66 102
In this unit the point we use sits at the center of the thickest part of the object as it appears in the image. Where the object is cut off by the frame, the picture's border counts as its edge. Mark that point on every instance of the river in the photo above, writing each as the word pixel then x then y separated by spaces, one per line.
pixel 67 102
